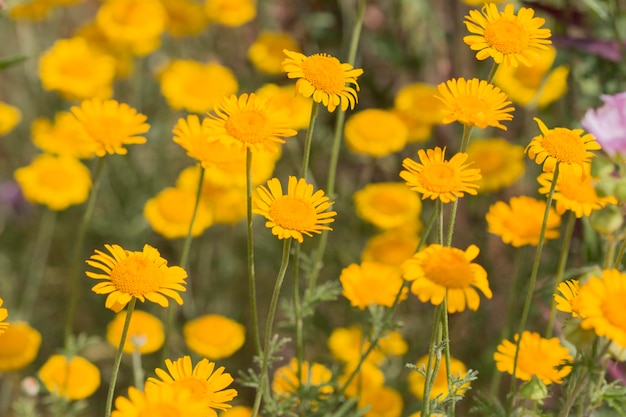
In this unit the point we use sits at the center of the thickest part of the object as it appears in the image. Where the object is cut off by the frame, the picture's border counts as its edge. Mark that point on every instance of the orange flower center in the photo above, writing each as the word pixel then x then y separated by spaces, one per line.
pixel 105 130
pixel 506 36
pixel 196 386
pixel 613 309
pixel 248 126
pixel 325 73
pixel 449 268
pixel 136 275
pixel 564 145
pixel 438 177
pixel 292 213
pixel 473 110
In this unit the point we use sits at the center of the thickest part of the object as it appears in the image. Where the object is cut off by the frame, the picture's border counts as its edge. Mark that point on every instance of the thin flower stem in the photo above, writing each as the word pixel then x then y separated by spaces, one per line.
pixel 78 249
pixel 620 255
pixel 560 271
pixel 465 139
pixel 118 356
pixel 446 341
pixel 439 210
pixel 297 306
pixel 531 284
pixel 138 372
pixel 264 379
pixel 308 139
pixel 432 365
pixel 251 278
pixel 467 132
pixel 492 72
pixel 609 256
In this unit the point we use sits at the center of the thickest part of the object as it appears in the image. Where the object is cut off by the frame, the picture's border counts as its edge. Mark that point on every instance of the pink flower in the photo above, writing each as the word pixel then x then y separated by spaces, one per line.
pixel 608 123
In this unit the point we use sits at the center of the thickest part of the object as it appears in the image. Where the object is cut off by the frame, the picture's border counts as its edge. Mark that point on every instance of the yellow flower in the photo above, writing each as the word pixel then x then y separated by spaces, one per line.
pixel 298 212
pixel 436 178
pixel 562 145
pixel 160 401
pixel 97 40
pixel 568 300
pixel 506 37
pixel 388 205
pixel 601 305
pixel 145 332
pixel 133 24
pixel 169 213
pixel 500 163
pixel 418 96
pixel 371 283
pixel 196 87
pixel 285 382
pixel 57 182
pixel 184 17
pixel 440 385
pixel 477 3
pixel 62 137
pixel 369 377
pixel 286 97
pixel 231 13
pixel 110 125
pixel 347 344
pixel 535 84
pixel 504 220
pixel 249 121
pixel 474 103
pixel 573 192
pixel 71 378
pixel 382 402
pixel 237 411
pixel 77 71
pixel 207 384
pixel 439 270
pixel 3 316
pixel 390 248
pixel 140 274
pixel 539 357
pixel 19 345
pixel 213 336
pixel 266 52
pixel 324 78
pixel 375 132
pixel 10 117
pixel 30 10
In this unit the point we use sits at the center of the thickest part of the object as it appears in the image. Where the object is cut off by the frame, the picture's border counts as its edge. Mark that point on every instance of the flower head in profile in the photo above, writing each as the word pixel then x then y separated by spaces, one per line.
pixel 249 121
pixel 232 13
pixel 564 146
pixel 72 378
pixel 213 336
pixel 170 212
pixel 607 124
pixel 62 137
pixel 545 359
pixel 436 178
pixel 161 400
pixel 110 125
pixel 504 220
pixel 567 297
pixel 601 305
pixel 143 275
pixel 145 332
pixel 440 386
pixel 500 162
pixel 388 205
pixel 324 78
pixel 375 132
pixel 266 52
pixel 19 345
pixel 206 384
pixel 419 123
pixel 507 37
pixel 299 212
pixel 3 316
pixel 286 383
pixel 371 283
pixel 474 103
pixel 10 116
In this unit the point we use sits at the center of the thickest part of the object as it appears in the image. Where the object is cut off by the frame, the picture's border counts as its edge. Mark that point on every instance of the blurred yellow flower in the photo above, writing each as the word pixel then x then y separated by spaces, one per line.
pixel 213 336
pixel 169 213
pixel 196 87
pixel 390 248
pixel 160 401
pixel 368 377
pixel 231 13
pixel 19 345
pixel 76 70
pixel 419 109
pixel 545 359
pixel 110 125
pixel 266 52
pixel 388 205
pixel 479 3
pixel 323 77
pixel 567 299
pixel 504 220
pixel 184 17
pixel 371 283
pixel 61 137
pixel 10 117
pixel 500 163
pixel 347 344
pixel 55 181
pixel 35 9
pixel 382 402
pixel 375 132
pixel 285 382
pixel 3 316
pixel 237 411
pixel 145 332
pixel 286 97
pixel 72 378
pixel 438 271
pixel 440 385
pixel 143 275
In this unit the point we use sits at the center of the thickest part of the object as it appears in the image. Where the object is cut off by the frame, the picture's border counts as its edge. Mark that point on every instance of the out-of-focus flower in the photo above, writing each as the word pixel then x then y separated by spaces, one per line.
pixel 170 212
pixel 184 17
pixel 420 110
pixel 479 3
pixel 237 411
pixel 145 332
pixel 3 316
pixel 72 378
pixel 388 205
pixel 285 382
pixel 567 297
pixel 96 39
pixel 390 248
pixel 19 345
pixel 500 163
pixel 266 52
pixel 371 283
pixel 231 13
pixel 347 344
pixel 213 336
pixel 10 117
pixel 62 137
pixel 440 386
pixel 382 402
pixel 36 9
pixel 369 377
pixel 608 124
pixel 157 400
pixel 375 132
pixel 286 97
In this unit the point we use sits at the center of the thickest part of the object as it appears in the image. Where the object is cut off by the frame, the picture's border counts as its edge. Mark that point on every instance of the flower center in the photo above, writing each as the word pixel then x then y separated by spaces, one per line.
pixel 472 109
pixel 438 177
pixel 176 206
pixel 325 73
pixel 506 36
pixel 564 145
pixel 196 386
pixel 160 410
pixel 449 268
pixel 136 275
pixel 105 130
pixel 613 309
pixel 248 126
pixel 292 213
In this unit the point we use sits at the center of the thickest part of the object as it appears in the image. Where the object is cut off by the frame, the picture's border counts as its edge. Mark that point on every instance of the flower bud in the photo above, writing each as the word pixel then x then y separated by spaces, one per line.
pixel 534 390
pixel 607 220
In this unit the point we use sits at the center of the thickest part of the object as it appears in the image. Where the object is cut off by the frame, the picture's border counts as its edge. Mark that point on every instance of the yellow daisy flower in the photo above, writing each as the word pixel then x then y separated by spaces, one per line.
pixel 601 305
pixel 3 316
pixel 388 205
pixel 440 386
pixel 567 298
pixel 371 283
pixel 474 103
pixel 439 270
pixel 545 359
pixel 500 163
pixel 249 121
pixel 97 39
pixel 145 332
pixel 562 145
pixel 62 137
pixel 324 78
pixel 382 402
pixel 348 343
pixel 184 17
pixel 287 97
pixel 54 181
pixel 162 400
pixel 266 52
pixel 573 192
pixel 207 384
pixel 375 132
pixel 19 345
pixel 368 377
pixel 503 221
pixel 420 123
pixel 143 275
pixel 390 248
pixel 34 10
pixel 237 411
pixel 110 125
pixel 299 212
pixel 213 336
pixel 506 37
pixel 71 378
pixel 169 213
pixel 285 382
pixel 231 13
pixel 436 178
pixel 10 117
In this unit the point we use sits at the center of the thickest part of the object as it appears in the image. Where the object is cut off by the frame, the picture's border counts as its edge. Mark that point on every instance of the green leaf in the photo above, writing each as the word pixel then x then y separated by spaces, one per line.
pixel 14 60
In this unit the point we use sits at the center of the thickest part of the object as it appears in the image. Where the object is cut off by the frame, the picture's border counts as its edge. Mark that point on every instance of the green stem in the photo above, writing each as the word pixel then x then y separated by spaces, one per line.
pixel 446 341
pixel 118 356
pixel 264 379
pixel 465 139
pixel 609 256
pixel 251 278
pixel 138 372
pixel 439 210
pixel 297 307
pixel 492 72
pixel 308 139
pixel 467 131
pixel 432 365
pixel 78 249
pixel 620 255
